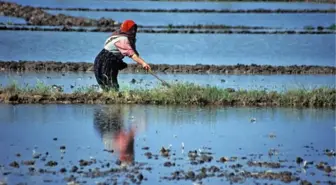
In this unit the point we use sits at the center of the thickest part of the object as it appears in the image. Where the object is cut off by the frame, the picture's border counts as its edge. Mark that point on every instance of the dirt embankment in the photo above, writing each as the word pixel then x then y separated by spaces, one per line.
pixel 168 31
pixel 165 68
pixel 260 10
pixel 37 16
pixel 170 26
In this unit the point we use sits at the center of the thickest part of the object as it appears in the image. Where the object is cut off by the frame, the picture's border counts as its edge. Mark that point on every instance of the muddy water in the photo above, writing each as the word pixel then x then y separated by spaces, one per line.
pixel 289 21
pixel 73 81
pixel 174 48
pixel 86 131
pixel 171 5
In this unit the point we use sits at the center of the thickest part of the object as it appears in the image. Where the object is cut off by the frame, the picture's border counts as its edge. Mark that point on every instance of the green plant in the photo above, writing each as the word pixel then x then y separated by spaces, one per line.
pixel 309 28
pixel 332 27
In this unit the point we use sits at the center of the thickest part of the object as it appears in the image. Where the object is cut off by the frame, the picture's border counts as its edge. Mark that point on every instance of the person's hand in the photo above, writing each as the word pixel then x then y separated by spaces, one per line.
pixel 146 66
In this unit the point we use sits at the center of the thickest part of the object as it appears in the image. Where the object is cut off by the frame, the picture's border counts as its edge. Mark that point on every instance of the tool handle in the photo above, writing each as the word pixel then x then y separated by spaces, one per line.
pixel 164 82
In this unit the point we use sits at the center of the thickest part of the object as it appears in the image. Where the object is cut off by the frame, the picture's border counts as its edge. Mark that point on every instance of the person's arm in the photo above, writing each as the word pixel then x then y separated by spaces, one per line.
pixel 126 50
pixel 140 61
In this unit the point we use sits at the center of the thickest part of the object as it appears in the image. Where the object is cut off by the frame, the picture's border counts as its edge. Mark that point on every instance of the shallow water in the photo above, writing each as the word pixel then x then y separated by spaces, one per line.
pixel 290 20
pixel 7 19
pixel 219 49
pixel 87 130
pixel 173 5
pixel 259 82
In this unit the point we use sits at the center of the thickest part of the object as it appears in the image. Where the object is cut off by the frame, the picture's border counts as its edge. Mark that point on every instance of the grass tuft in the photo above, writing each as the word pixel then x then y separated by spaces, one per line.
pixel 179 93
pixel 332 27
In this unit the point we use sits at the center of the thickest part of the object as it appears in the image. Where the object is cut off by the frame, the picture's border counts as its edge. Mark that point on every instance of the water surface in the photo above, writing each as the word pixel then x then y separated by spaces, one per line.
pixel 290 20
pixel 173 5
pixel 256 82
pixel 218 49
pixel 8 19
pixel 87 130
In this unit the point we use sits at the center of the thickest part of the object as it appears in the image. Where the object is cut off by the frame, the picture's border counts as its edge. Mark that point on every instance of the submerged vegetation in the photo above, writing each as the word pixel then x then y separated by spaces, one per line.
pixel 178 93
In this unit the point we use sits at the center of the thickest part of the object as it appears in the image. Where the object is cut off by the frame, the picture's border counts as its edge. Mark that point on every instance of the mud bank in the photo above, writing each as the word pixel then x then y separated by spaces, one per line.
pixel 193 10
pixel 170 26
pixel 22 66
pixel 175 94
pixel 169 31
pixel 37 16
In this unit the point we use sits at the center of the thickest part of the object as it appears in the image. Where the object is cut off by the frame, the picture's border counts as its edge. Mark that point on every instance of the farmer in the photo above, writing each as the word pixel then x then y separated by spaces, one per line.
pixel 109 61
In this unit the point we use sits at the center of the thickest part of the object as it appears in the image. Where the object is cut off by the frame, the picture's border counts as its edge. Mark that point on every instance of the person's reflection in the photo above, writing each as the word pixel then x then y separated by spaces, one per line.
pixel 109 121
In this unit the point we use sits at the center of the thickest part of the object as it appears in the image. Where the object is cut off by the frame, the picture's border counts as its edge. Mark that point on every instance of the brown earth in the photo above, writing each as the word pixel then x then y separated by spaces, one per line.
pixel 260 10
pixel 37 16
pixel 165 68
pixel 168 31
pixel 197 26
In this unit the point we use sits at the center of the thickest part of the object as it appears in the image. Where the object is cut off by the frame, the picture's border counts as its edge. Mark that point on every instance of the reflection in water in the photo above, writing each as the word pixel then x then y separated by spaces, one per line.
pixel 117 131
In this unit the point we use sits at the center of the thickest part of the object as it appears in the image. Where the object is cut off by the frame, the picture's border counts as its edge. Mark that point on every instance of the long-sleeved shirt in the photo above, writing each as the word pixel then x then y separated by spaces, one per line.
pixel 119 46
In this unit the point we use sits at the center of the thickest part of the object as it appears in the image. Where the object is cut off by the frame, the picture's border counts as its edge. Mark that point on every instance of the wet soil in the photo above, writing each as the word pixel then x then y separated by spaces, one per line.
pixel 23 66
pixel 195 10
pixel 37 16
pixel 198 26
pixel 236 170
pixel 168 31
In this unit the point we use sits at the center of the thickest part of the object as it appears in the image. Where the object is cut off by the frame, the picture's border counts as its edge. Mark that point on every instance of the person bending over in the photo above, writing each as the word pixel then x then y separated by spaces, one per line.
pixel 109 61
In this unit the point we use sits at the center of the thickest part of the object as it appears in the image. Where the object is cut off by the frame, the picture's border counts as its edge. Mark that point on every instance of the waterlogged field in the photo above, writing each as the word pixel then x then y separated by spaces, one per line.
pixel 151 144
pixel 56 144
pixel 174 5
pixel 6 19
pixel 175 48
pixel 287 21
pixel 71 82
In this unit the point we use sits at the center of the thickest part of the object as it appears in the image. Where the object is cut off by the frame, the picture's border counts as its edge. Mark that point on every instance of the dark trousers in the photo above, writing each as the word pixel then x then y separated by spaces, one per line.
pixel 106 69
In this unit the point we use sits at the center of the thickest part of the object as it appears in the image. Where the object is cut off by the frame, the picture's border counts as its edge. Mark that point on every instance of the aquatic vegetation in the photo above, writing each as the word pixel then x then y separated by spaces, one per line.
pixel 309 28
pixel 320 28
pixel 332 27
pixel 178 93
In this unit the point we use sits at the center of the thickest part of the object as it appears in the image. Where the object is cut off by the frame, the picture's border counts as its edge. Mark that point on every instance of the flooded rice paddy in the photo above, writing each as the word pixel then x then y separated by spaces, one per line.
pixel 174 5
pixel 71 81
pixel 175 48
pixel 288 20
pixel 56 144
pixel 147 144
pixel 7 19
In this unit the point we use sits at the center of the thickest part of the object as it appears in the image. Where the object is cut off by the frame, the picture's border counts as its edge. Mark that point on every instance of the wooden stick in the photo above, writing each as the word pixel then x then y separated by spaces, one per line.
pixel 164 82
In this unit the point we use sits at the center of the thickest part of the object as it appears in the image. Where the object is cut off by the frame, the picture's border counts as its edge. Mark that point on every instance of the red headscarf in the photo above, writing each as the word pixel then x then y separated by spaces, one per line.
pixel 127 25
pixel 128 28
